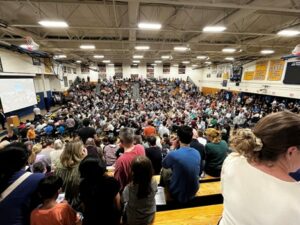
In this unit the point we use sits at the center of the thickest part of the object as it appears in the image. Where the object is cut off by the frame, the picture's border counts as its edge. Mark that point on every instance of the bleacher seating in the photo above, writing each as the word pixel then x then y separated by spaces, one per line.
pixel 205 215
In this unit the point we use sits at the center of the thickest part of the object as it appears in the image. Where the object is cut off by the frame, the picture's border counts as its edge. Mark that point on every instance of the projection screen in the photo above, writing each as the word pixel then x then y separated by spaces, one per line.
pixel 17 94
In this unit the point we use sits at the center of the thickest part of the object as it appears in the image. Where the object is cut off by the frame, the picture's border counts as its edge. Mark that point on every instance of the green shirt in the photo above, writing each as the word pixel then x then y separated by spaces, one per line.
pixel 215 154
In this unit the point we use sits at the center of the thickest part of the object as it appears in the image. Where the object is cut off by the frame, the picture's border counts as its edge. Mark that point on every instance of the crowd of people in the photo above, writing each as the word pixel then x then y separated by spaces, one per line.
pixel 54 170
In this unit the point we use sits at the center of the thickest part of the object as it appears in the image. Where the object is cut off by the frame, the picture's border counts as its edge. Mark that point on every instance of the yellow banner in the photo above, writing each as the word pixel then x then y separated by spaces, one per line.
pixel 225 76
pixel 48 65
pixel 261 70
pixel 275 70
pixel 249 75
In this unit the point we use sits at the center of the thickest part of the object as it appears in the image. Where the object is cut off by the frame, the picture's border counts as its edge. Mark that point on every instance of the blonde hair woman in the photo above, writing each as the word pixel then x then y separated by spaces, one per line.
pixel 256 185
pixel 216 151
pixel 67 169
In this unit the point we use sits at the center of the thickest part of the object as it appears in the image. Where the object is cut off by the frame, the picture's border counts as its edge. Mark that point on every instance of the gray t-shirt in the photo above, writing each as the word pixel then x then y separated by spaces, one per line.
pixel 139 211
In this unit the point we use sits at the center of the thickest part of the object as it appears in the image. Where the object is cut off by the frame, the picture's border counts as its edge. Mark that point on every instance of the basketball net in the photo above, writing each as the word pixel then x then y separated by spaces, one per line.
pixel 31 45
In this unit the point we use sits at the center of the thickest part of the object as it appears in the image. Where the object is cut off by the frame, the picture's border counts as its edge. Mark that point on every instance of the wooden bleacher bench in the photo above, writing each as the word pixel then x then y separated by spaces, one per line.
pixel 211 188
pixel 204 215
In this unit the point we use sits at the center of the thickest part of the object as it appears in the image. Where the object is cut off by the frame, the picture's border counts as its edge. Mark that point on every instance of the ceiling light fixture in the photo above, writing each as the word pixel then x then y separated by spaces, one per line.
pixel 98 56
pixel 229 58
pixel 106 61
pixel 267 51
pixel 136 61
pixel 111 64
pixel 138 56
pixel 166 57
pixel 153 64
pixel 202 57
pixel 149 26
pixel 142 48
pixel 181 48
pixel 78 61
pixel 214 29
pixel 60 57
pixel 185 62
pixel 158 61
pixel 228 50
pixel 87 46
pixel 207 62
pixel 288 33
pixel 53 24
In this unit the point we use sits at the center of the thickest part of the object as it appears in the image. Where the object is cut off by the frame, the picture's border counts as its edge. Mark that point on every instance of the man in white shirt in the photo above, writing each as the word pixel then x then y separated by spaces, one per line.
pixel 37 113
pixel 163 129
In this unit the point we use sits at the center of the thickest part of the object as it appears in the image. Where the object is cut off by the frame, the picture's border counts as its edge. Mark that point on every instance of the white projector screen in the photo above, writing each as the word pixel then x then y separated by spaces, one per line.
pixel 17 94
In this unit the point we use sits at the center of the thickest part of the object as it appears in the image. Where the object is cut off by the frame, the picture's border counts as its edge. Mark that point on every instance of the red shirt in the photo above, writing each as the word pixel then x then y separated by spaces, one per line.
pixel 123 165
pixel 149 131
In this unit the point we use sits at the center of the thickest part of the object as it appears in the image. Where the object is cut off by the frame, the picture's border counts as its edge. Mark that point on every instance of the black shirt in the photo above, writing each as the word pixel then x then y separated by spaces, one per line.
pixel 155 155
pixel 98 196
pixel 85 133
pixel 201 149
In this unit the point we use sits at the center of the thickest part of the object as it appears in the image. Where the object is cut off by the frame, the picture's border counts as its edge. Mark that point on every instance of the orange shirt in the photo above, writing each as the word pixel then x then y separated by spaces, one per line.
pixel 149 131
pixel 31 134
pixel 60 214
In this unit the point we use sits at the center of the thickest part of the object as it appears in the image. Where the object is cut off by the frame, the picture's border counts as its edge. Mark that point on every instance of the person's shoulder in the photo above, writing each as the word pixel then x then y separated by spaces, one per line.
pixel 36 176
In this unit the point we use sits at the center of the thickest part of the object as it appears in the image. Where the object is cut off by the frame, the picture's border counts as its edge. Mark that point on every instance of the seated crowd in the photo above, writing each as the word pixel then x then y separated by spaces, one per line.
pixel 93 162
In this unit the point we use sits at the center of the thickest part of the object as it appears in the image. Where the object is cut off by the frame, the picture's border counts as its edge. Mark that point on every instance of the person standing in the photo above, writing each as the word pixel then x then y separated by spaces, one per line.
pixel 185 162
pixel 123 163
pixel 37 113
pixel 216 151
pixel 87 131
pixel 139 194
pixel 256 182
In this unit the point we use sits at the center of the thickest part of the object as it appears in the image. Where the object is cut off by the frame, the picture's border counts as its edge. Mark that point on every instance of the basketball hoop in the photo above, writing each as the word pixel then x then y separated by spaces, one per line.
pixel 31 45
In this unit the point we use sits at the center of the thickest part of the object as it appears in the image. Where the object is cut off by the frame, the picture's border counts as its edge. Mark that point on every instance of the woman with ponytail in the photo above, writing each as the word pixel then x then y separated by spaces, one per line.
pixel 256 185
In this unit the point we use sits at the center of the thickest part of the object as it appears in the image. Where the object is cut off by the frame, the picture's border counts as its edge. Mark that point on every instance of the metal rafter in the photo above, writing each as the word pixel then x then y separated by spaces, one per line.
pixel 196 3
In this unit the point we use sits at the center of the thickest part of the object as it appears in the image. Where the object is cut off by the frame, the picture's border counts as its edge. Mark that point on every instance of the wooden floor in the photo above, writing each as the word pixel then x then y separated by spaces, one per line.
pixel 205 215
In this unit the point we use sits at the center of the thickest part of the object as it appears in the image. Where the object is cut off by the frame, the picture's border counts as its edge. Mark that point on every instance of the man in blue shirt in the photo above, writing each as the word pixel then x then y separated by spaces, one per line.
pixel 185 165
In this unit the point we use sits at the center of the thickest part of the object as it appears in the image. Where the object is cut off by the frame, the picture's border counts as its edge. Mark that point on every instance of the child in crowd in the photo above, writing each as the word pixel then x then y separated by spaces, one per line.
pixel 139 195
pixel 51 212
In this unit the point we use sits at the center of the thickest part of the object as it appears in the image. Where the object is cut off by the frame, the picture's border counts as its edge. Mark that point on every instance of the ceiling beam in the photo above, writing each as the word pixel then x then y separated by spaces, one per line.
pixel 195 3
pixel 135 29
pixel 133 13
pixel 147 42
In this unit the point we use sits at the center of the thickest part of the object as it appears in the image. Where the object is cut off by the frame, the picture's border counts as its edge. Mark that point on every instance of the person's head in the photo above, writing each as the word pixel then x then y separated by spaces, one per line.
pixel 275 137
pixel 138 139
pixel 31 127
pixel 49 143
pixel 92 168
pixel 127 136
pixel 185 134
pixel 86 122
pixel 112 139
pixel 49 187
pixel 58 144
pixel 213 135
pixel 141 173
pixel 37 148
pixel 73 153
pixel 164 123
pixel 152 140
pixel 90 141
pixel 13 158
pixel 39 167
